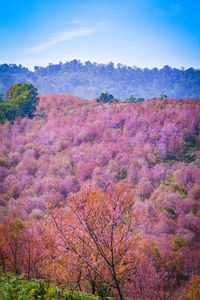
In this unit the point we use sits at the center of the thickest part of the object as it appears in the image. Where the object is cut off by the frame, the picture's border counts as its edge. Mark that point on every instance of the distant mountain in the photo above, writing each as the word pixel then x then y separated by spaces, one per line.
pixel 88 80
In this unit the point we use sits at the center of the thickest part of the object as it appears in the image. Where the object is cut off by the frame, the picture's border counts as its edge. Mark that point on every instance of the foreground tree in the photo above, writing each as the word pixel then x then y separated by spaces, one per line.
pixel 20 248
pixel 98 230
pixel 21 100
pixel 25 97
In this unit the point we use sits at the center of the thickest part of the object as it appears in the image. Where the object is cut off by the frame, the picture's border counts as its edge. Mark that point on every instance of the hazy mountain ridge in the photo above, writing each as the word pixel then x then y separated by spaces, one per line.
pixel 88 80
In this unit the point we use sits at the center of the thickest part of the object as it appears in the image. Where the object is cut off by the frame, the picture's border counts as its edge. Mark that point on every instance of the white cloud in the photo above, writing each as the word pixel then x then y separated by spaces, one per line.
pixel 59 37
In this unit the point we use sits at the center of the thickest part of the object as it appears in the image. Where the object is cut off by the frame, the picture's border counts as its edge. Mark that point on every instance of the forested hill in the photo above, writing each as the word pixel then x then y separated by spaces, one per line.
pixel 88 80
pixel 91 188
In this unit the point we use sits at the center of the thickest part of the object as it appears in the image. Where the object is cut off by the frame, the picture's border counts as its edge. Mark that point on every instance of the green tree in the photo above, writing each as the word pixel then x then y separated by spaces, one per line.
pixel 106 98
pixel 162 97
pixel 10 111
pixel 131 99
pixel 20 100
pixel 24 97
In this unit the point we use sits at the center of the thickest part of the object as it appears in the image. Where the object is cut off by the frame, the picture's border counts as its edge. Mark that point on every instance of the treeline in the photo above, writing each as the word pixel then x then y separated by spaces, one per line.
pixel 88 80
pixel 108 98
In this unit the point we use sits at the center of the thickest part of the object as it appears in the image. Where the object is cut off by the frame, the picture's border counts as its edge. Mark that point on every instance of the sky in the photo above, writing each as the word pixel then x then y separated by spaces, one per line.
pixel 142 33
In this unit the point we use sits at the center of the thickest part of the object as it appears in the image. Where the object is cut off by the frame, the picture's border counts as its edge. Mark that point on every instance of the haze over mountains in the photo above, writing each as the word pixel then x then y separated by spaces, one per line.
pixel 88 80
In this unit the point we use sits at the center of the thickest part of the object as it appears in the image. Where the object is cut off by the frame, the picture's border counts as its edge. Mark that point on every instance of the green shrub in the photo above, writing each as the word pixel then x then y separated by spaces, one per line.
pixel 13 287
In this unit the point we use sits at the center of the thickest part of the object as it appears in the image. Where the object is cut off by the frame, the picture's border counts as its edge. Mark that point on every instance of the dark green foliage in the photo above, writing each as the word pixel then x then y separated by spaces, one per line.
pixel 121 174
pixel 131 99
pixel 24 96
pixel 169 210
pixel 140 100
pixel 2 113
pixel 104 291
pixel 21 100
pixel 191 146
pixel 162 97
pixel 106 98
pixel 190 140
pixel 13 287
pixel 10 109
pixel 7 112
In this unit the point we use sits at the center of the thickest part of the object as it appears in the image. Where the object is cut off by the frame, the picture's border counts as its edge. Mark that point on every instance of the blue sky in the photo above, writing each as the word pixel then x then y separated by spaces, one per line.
pixel 145 33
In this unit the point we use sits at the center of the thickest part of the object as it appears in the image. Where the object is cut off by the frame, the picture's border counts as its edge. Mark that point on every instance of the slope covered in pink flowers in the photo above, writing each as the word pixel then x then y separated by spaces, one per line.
pixel 70 142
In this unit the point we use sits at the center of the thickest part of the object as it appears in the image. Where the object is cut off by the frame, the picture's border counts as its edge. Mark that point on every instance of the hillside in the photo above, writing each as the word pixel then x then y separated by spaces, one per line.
pixel 90 79
pixel 71 141
pixel 136 164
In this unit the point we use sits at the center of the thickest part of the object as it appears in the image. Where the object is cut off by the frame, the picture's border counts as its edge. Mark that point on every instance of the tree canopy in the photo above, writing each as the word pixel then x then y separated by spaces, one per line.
pixel 20 100
pixel 106 98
